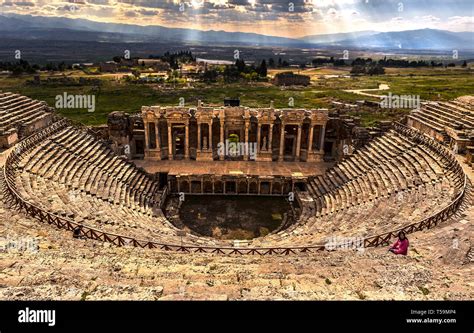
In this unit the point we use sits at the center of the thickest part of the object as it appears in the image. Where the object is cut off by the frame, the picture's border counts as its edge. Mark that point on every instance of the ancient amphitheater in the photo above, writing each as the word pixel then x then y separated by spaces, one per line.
pixel 102 231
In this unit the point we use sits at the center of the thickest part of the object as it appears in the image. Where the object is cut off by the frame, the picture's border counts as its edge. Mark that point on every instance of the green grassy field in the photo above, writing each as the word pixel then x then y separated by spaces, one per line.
pixel 114 95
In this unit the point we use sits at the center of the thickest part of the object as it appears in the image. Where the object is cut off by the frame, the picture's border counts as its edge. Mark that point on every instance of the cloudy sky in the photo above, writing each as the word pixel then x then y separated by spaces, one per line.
pixel 289 18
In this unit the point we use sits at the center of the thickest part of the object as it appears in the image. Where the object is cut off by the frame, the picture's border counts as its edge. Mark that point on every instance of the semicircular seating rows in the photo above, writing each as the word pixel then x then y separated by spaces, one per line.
pixel 439 116
pixel 398 179
pixel 71 174
pixel 20 111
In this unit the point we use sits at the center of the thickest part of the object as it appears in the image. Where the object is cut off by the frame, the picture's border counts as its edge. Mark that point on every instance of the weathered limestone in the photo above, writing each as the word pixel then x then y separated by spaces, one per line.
pixel 204 122
pixel 390 183
pixel 21 116
pixel 451 122
pixel 242 125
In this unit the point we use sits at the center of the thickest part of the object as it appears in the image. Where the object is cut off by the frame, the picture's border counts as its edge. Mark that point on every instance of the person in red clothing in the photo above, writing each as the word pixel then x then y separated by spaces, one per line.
pixel 401 245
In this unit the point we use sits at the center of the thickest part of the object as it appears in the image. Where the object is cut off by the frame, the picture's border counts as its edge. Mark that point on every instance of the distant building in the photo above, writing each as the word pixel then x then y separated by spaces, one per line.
pixel 83 65
pixel 291 79
pixel 157 64
pixel 231 101
pixel 108 67
pixel 128 62
pixel 203 62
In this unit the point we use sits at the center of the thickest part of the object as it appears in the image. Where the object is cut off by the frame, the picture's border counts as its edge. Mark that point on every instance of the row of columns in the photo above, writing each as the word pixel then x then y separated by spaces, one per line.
pixel 298 140
pixel 247 128
pixel 170 138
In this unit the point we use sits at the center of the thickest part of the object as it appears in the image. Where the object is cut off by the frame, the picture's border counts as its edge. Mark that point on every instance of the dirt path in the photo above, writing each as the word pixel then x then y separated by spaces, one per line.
pixel 365 93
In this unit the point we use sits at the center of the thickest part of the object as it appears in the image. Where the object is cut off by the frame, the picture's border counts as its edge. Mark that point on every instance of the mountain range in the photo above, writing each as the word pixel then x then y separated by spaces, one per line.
pixel 27 27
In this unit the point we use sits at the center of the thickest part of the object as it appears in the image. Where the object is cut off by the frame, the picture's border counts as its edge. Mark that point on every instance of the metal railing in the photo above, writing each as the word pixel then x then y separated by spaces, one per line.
pixel 120 240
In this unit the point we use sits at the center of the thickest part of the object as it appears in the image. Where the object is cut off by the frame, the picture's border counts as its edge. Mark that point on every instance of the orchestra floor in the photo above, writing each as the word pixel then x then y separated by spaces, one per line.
pixel 286 169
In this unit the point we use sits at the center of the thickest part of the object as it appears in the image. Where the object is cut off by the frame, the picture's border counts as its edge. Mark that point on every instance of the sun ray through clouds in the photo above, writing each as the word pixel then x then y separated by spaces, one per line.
pixel 283 18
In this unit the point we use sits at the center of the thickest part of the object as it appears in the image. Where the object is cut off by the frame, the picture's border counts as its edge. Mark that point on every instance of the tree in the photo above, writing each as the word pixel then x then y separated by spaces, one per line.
pixel 62 66
pixel 464 64
pixel 375 70
pixel 271 63
pixel 262 70
pixel 136 73
pixel 231 73
pixel 17 70
pixel 359 62
pixel 210 75
pixel 358 69
pixel 240 64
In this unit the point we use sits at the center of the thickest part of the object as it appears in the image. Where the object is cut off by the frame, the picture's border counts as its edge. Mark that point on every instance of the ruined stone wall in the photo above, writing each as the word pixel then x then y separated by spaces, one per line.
pixel 8 139
pixel 120 133
pixel 425 129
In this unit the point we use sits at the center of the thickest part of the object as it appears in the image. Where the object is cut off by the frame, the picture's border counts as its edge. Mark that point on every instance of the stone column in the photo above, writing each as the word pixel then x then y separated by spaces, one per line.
pixel 310 143
pixel 259 130
pixel 321 145
pixel 199 137
pixel 298 143
pixel 147 135
pixel 270 140
pixel 186 142
pixel 282 142
pixel 246 134
pixel 209 139
pixel 170 142
pixel 221 157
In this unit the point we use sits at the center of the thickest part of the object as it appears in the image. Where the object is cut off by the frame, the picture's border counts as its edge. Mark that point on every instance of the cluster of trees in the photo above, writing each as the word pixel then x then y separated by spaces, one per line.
pixel 401 63
pixel 24 67
pixel 239 70
pixel 176 58
pixel 280 63
pixel 19 67
pixel 451 64
pixel 369 69
pixel 260 70
pixel 389 62
pixel 324 61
